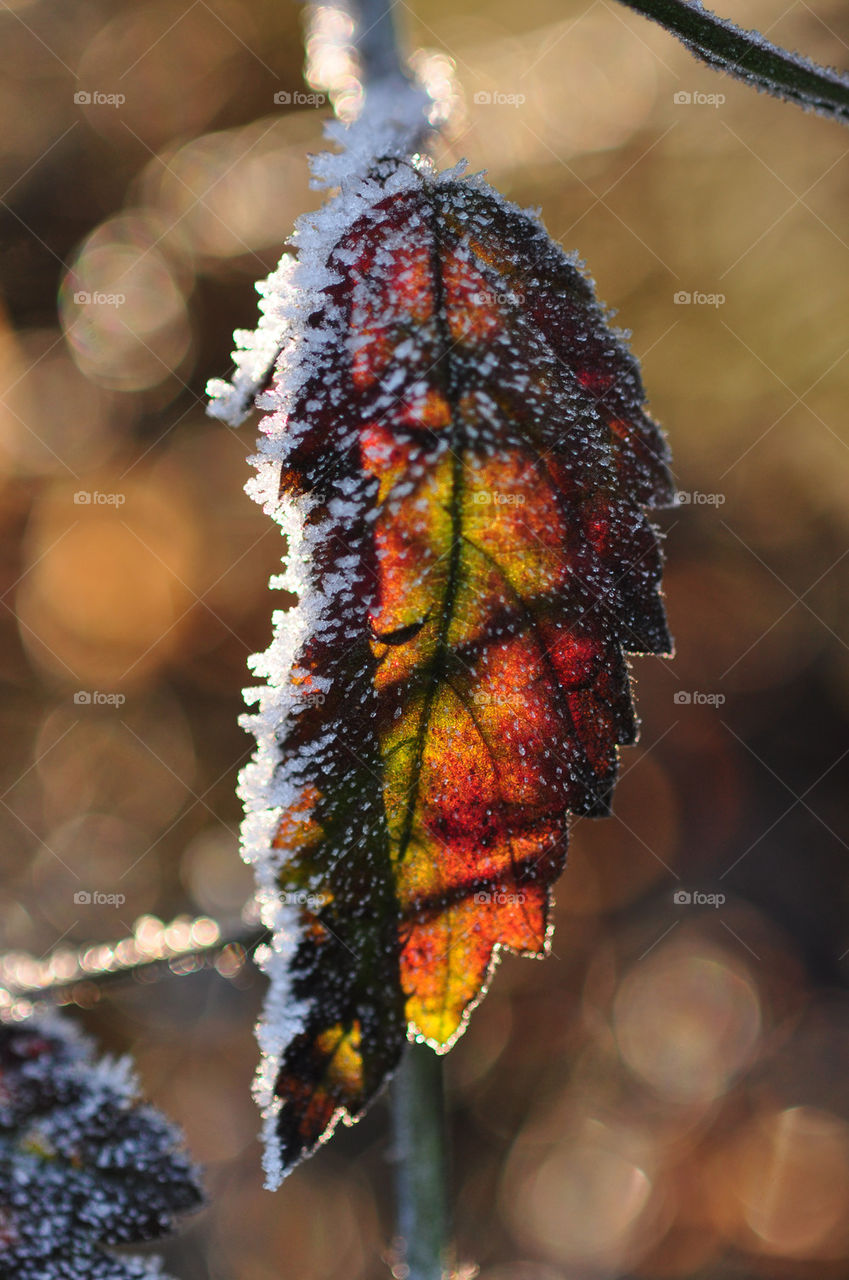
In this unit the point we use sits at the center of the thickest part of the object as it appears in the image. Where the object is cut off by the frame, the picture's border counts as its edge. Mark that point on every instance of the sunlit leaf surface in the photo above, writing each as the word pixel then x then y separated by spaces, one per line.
pixel 465 464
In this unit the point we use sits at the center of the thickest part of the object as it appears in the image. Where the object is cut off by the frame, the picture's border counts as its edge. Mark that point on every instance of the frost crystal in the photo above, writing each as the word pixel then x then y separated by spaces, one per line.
pixel 256 350
pixel 83 1165
pixel 391 124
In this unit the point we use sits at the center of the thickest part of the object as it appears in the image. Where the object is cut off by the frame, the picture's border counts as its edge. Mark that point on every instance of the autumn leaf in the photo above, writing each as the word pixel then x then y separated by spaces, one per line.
pixel 460 456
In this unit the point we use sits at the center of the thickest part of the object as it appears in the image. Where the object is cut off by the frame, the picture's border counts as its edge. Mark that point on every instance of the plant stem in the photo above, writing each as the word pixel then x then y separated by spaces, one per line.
pixel 377 40
pixel 418 1110
pixel 751 57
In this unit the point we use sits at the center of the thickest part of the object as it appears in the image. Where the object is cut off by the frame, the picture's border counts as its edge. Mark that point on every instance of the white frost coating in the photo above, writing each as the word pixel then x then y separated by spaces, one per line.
pixel 256 349
pixel 392 124
pixel 282 1020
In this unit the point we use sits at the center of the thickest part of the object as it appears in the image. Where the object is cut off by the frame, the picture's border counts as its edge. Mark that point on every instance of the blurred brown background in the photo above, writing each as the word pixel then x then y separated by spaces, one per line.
pixel 668 1095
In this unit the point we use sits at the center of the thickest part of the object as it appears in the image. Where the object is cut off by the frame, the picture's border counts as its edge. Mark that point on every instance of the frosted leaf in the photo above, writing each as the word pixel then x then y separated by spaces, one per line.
pixel 84 1166
pixel 457 450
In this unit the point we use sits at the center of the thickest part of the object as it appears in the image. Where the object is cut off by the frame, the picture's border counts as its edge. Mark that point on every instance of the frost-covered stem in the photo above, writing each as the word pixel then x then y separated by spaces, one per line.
pixel 418 1111
pixel 28 983
pixel 751 57
pixel 377 40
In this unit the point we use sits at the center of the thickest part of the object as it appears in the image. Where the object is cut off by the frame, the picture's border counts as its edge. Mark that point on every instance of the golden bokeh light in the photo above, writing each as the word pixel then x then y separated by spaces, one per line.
pixel 780 1186
pixel 37 375
pixel 139 764
pixel 686 1022
pixel 212 872
pixel 130 52
pixel 123 308
pixel 106 596
pixel 588 1201
pixel 332 65
pixel 226 195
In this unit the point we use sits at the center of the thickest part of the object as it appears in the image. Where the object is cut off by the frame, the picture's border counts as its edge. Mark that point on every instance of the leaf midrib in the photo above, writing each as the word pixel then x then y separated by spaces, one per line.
pixel 456 446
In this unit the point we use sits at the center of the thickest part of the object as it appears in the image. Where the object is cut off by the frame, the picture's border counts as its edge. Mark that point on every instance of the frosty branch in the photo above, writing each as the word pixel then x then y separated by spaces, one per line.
pixel 749 56
pixel 68 975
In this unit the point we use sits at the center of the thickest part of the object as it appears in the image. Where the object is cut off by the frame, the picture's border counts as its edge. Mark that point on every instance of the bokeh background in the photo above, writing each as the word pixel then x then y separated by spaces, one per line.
pixel 668 1094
